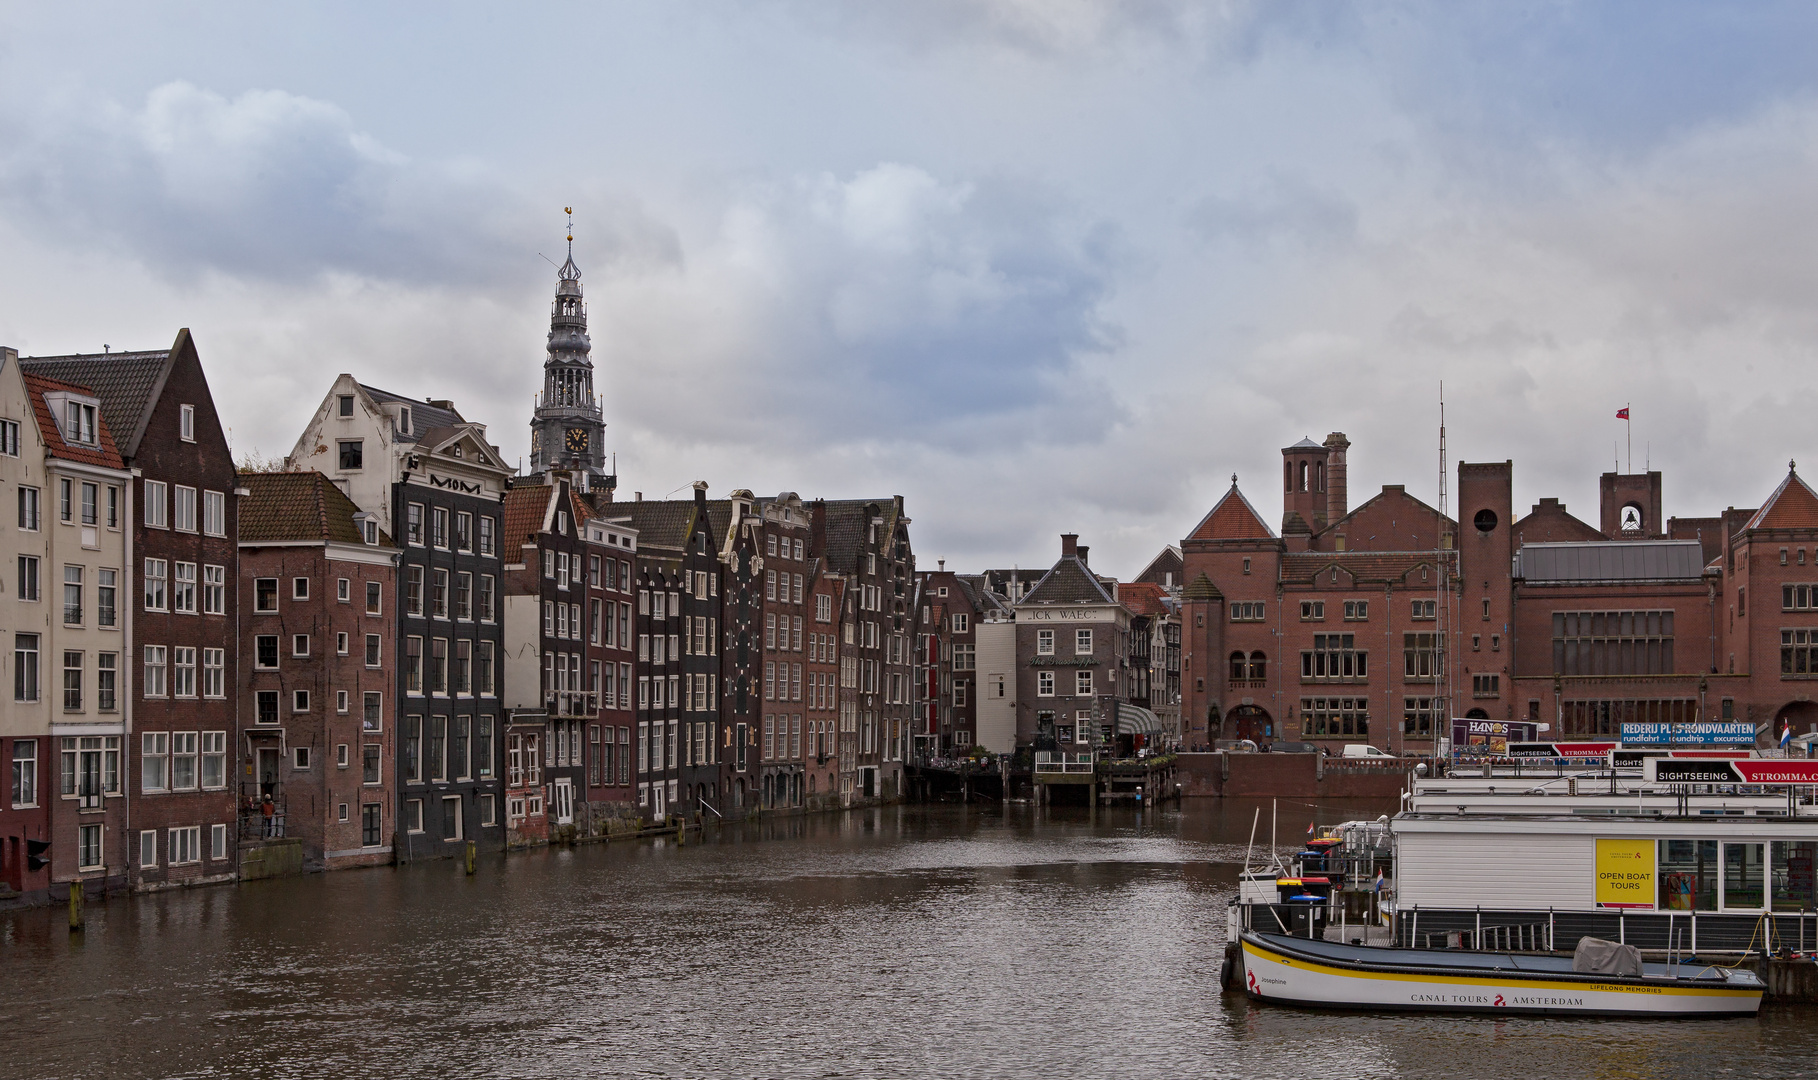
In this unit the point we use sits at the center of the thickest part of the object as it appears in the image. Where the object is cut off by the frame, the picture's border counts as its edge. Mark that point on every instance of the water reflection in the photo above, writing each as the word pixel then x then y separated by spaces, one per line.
pixel 908 941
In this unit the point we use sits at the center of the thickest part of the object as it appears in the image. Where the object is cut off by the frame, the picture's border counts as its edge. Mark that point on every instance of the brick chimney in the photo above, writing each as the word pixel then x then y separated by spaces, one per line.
pixel 1083 551
pixel 1336 494
pixel 1069 544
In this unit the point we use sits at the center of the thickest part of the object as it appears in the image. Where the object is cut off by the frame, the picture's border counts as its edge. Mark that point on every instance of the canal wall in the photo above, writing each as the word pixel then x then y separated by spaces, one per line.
pixel 1255 775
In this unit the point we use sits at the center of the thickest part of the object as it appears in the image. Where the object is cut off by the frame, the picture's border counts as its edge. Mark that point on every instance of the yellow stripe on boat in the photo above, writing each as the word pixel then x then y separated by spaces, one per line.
pixel 1514 975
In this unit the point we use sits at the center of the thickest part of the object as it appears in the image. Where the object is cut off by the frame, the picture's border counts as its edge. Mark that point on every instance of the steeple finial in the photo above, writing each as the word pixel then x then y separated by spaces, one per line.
pixel 1234 480
pixel 569 210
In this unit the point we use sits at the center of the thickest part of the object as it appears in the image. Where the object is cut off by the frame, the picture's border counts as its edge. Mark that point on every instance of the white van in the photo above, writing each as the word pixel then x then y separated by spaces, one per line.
pixel 1365 750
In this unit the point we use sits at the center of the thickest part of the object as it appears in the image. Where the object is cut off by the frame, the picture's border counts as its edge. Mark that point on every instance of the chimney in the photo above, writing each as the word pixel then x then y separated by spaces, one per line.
pixel 1083 552
pixel 1336 494
pixel 817 527
pixel 942 563
pixel 700 493
pixel 637 496
pixel 1069 544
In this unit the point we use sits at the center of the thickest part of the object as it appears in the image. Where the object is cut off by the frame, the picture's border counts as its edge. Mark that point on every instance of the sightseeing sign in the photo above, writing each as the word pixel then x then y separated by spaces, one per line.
pixel 1732 771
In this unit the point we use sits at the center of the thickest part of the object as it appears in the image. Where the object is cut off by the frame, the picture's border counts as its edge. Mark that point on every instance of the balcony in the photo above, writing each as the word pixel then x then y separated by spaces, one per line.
pixel 1051 766
pixel 1248 684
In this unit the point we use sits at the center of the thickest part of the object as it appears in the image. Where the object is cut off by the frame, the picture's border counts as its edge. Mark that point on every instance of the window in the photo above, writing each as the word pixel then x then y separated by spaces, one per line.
pixel 343 590
pixel 89 503
pixel 183 671
pixel 463 531
pixel 1612 642
pixel 413 590
pixel 157 585
pixel 1044 643
pixel 299 588
pixel 374 605
pixel 266 707
pixel 65 504
pixel 265 594
pixel 9 438
pixel 214 672
pixel 1334 718
pixel 413 524
pixel 1247 612
pixel 214 759
pixel 28 509
pixel 463 596
pixel 413 665
pixel 438 594
pixel 148 848
pixel 371 716
pixel 482 747
pixel 1082 683
pixel 1417 716
pixel 81 423
pixel 214 589
pixel 105 672
pixel 1357 610
pixel 964 657
pixel 1044 683
pixel 438 527
pixel 344 405
pixel 1312 610
pixel 186 423
pixel 299 701
pixel 183 588
pixel 413 816
pixel 184 756
pixel 482 669
pixel 460 763
pixel 1423 609
pixel 25 772
pixel 1421 656
pixel 88 847
pixel 438 665
pixel 1799 598
pixel 1082 642
pixel 154 769
pixel 1799 652
pixel 372 650
pixel 369 763
pixel 156 508
pixel 72 596
pixel 265 651
pixel 1486 686
pixel 485 535
pixel 341 643
pixel 1334 656
pixel 485 600
pixel 157 666
pixel 353 454
pixel 299 644
pixel 183 506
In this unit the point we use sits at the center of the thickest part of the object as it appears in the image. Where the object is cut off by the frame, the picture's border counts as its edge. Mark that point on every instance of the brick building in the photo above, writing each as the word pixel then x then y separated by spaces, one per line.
pixel 1072 643
pixel 1378 624
pixel 611 600
pixel 183 574
pixel 947 658
pixel 318 576
pixel 867 543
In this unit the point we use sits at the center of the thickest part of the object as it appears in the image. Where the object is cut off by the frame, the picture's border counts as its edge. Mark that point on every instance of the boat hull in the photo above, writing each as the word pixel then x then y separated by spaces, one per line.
pixel 1277 972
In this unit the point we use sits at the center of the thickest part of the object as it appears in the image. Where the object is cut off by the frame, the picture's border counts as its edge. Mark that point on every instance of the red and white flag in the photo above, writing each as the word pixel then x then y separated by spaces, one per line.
pixel 1622 413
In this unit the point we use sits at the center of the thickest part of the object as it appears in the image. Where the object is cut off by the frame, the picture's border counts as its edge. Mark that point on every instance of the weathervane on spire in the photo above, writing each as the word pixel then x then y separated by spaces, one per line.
pixel 569 210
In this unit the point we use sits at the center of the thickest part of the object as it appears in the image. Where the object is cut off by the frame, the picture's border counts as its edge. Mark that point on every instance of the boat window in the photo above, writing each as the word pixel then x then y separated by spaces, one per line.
pixel 1793 875
pixel 1742 876
pixel 1688 875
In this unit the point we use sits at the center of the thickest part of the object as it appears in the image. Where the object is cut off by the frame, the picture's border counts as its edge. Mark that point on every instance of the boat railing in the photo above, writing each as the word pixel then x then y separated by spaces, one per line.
pixel 1689 932
pixel 1508 937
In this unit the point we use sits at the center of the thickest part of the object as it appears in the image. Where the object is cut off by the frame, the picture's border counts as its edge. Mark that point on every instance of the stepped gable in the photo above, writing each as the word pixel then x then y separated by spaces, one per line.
pixel 1793 505
pixel 1232 519
pixel 290 506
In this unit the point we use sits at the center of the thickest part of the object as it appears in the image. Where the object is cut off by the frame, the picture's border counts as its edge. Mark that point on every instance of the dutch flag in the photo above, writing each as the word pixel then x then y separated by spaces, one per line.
pixel 1786 733
pixel 1378 887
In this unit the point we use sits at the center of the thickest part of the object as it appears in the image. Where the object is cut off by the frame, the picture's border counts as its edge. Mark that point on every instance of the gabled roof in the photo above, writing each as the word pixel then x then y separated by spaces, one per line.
pixel 1793 505
pixel 526 509
pixel 128 383
pixel 847 522
pixel 1375 566
pixel 105 454
pixel 291 506
pixel 1399 491
pixel 1232 519
pixel 423 416
pixel 665 523
pixel 1069 582
pixel 1143 598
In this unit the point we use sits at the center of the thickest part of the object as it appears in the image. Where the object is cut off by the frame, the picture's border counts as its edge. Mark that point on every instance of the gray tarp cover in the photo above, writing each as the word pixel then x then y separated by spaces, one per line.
pixel 1595 956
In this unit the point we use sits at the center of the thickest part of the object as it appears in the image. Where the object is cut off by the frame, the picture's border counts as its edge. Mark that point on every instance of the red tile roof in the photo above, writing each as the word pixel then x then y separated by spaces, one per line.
pixel 291 506
pixel 1232 519
pixel 526 508
pixel 105 455
pixel 1142 597
pixel 1792 506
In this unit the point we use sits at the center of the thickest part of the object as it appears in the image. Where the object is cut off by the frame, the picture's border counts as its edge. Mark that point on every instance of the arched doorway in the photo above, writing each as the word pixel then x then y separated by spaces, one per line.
pixel 1477 714
pixel 1250 722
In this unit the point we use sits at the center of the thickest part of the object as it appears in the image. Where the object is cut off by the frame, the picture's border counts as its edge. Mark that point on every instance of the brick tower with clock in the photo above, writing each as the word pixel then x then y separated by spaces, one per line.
pixel 567 429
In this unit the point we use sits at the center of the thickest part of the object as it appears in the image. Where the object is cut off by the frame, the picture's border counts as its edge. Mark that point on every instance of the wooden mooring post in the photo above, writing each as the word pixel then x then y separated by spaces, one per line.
pixel 76 921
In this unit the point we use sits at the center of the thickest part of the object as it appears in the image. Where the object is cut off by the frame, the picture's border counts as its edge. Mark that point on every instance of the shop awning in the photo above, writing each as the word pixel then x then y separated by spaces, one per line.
pixel 1136 720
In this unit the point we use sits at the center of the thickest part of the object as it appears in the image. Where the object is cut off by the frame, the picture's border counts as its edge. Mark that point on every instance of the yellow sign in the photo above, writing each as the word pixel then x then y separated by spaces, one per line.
pixel 1625 873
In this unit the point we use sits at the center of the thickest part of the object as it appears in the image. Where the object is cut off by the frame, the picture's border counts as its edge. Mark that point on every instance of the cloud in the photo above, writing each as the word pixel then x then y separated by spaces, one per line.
pixel 274 186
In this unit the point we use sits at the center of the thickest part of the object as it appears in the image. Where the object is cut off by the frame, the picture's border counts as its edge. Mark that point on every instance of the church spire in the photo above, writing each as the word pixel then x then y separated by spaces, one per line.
pixel 567 429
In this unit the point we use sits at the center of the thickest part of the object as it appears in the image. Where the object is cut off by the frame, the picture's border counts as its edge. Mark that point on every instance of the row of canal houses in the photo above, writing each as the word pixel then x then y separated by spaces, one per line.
pixel 392 643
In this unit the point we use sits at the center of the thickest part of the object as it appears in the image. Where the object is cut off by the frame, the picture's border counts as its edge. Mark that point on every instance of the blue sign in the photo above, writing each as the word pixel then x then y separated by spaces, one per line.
pixel 1697 733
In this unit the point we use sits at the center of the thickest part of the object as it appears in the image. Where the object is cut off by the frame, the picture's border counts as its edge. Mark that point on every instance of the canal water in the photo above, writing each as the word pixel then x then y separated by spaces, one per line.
pixel 901 942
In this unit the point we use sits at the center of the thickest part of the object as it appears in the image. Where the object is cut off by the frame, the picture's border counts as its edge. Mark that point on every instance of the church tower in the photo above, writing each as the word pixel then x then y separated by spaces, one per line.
pixel 566 428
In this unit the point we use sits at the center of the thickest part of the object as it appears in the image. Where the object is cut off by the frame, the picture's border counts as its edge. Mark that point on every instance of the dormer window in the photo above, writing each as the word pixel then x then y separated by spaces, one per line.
pixel 403 419
pixel 81 425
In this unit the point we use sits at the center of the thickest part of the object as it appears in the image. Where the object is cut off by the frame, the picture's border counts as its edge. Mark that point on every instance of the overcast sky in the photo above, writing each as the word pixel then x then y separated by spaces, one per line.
pixel 1037 265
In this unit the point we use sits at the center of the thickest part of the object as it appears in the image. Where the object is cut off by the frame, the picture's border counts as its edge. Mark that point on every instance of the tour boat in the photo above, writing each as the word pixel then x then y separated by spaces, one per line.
pixel 1327 974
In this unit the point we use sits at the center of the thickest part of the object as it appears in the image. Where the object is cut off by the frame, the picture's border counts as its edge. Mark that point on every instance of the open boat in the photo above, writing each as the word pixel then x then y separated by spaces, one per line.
pixel 1327 974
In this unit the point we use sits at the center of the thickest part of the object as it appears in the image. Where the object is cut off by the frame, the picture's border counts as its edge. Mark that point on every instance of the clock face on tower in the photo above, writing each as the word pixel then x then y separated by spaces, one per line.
pixel 576 442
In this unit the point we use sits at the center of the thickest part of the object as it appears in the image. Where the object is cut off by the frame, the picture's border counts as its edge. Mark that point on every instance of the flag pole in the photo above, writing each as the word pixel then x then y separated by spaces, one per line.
pixel 1628 424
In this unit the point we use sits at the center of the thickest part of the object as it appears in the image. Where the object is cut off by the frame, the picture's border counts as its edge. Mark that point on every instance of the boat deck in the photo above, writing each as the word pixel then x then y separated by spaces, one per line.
pixel 1455 959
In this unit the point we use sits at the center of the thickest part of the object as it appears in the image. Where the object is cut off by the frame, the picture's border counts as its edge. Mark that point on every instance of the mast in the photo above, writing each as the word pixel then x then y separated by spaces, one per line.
pixel 1442 609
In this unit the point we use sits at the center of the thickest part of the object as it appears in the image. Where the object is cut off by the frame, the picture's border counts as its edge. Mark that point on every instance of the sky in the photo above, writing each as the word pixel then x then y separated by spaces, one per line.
pixel 1039 266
